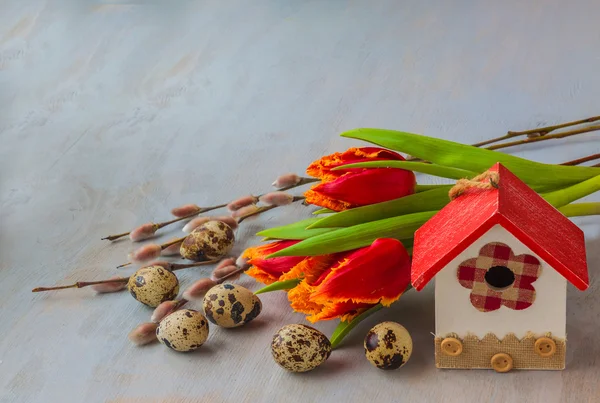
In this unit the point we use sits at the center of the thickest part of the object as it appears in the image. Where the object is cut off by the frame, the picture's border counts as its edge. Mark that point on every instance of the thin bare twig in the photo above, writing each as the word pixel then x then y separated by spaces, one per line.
pixel 81 284
pixel 540 131
pixel 582 160
pixel 544 138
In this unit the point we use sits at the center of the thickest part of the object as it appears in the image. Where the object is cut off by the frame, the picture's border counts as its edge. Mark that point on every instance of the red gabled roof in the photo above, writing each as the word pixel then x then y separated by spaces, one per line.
pixel 517 208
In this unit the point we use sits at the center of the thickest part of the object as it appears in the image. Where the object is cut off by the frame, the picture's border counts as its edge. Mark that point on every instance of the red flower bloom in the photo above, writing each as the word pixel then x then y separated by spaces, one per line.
pixel 322 168
pixel 268 271
pixel 355 281
pixel 349 188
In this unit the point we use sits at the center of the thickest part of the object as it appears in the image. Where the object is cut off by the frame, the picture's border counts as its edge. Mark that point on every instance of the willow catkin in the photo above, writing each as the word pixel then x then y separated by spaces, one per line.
pixel 241 202
pixel 143 334
pixel 142 232
pixel 185 210
pixel 286 180
pixel 277 198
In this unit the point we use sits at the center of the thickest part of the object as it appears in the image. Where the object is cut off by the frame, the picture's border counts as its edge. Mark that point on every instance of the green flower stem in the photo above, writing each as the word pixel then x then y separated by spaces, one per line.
pixel 580 209
pixel 342 330
pixel 562 197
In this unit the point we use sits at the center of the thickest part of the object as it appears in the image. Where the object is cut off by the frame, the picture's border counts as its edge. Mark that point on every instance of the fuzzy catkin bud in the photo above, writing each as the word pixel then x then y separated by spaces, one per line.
pixel 286 180
pixel 195 223
pixel 143 334
pixel 242 262
pixel 172 250
pixel 221 272
pixel 185 210
pixel 145 253
pixel 277 199
pixel 241 202
pixel 164 309
pixel 111 287
pixel 197 290
pixel 244 211
pixel 225 262
pixel 142 232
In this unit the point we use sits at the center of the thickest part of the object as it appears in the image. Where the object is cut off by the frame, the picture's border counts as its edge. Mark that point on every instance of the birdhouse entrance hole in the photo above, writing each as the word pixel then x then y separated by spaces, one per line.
pixel 499 277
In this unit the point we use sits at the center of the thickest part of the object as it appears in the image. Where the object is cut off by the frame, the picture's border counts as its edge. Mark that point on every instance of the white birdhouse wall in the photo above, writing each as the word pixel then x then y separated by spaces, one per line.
pixel 461 306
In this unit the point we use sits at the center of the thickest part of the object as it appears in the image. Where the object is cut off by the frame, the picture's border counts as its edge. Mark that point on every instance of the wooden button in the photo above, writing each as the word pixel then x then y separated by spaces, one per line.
pixel 545 347
pixel 451 346
pixel 502 362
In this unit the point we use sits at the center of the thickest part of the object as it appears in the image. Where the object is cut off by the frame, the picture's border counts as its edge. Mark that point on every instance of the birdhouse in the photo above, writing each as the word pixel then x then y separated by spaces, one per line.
pixel 501 257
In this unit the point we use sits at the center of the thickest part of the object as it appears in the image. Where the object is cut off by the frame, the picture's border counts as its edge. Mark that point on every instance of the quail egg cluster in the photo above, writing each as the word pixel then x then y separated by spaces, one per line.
pixel 225 305
pixel 388 345
pixel 212 240
pixel 152 285
pixel 300 348
pixel 229 305
pixel 183 330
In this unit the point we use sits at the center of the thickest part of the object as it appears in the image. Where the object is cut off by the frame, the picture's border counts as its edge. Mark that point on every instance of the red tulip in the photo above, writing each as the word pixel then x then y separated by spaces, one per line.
pixel 322 168
pixel 268 271
pixel 349 188
pixel 357 280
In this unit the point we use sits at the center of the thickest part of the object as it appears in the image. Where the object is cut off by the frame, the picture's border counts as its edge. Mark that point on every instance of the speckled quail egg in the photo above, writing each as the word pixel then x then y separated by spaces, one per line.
pixel 229 305
pixel 152 285
pixel 300 348
pixel 388 345
pixel 183 330
pixel 211 240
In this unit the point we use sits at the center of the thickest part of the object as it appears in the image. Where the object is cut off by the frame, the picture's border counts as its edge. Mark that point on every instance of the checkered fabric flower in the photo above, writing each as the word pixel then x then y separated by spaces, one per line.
pixel 484 297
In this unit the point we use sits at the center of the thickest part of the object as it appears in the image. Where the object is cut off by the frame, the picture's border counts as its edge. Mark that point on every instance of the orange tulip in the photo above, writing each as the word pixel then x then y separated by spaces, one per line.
pixel 322 168
pixel 268 271
pixel 357 280
pixel 355 187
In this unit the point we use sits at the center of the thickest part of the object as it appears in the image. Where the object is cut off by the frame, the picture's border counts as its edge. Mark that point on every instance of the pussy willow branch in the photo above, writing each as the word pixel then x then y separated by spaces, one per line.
pixel 540 131
pixel 259 210
pixel 582 160
pixel 303 181
pixel 160 225
pixel 262 209
pixel 81 284
pixel 162 247
pixel 545 137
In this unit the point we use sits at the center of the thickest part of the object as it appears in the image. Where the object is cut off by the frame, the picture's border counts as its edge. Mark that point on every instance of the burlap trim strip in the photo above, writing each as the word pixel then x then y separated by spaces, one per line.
pixel 478 353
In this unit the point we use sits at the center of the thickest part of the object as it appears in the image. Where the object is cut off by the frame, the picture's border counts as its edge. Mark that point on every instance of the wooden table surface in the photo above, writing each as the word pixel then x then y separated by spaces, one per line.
pixel 112 114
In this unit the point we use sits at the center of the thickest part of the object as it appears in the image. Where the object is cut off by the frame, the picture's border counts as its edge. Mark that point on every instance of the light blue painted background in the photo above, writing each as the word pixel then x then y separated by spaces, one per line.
pixel 110 115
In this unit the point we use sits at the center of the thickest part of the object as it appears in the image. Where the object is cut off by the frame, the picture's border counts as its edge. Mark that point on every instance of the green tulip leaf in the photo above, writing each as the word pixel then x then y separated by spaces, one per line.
pixel 344 239
pixel 430 169
pixel 279 285
pixel 296 230
pixel 424 188
pixel 541 177
pixel 323 211
pixel 429 200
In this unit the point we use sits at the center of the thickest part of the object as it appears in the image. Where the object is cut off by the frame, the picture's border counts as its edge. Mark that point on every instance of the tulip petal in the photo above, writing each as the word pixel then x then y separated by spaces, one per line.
pixel 359 189
pixel 345 311
pixel 378 273
pixel 311 268
pixel 321 168
pixel 269 270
